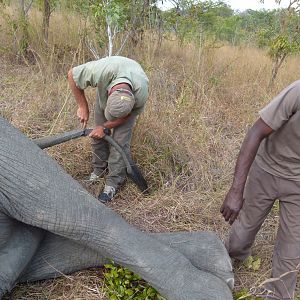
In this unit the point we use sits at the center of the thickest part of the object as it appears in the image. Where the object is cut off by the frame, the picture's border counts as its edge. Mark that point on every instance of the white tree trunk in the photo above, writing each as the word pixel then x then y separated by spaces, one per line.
pixel 110 37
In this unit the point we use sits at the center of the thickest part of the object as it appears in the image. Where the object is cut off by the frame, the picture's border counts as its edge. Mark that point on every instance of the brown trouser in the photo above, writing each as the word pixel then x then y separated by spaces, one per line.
pixel 261 190
pixel 104 155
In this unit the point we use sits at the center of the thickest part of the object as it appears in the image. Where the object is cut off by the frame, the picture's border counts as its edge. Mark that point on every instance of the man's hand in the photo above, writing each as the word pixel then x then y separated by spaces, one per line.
pixel 97 132
pixel 83 115
pixel 234 199
pixel 232 206
pixel 83 107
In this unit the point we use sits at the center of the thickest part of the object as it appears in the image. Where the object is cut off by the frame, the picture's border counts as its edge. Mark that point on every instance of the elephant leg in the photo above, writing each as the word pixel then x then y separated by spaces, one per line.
pixel 39 193
pixel 147 257
pixel 204 250
pixel 58 255
pixel 18 244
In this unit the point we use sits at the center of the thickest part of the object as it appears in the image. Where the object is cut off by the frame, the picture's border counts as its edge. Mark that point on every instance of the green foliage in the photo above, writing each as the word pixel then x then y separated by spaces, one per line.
pixel 192 20
pixel 253 263
pixel 80 6
pixel 245 295
pixel 282 45
pixel 19 29
pixel 122 284
pixel 276 30
pixel 199 22
pixel 53 4
pixel 115 12
pixel 264 37
pixel 276 207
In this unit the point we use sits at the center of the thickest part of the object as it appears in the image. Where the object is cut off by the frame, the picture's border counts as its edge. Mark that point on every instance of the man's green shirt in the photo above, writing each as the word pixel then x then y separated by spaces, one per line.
pixel 107 72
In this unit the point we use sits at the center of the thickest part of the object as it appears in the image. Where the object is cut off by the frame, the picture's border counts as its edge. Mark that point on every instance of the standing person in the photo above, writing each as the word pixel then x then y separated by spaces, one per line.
pixel 270 157
pixel 122 92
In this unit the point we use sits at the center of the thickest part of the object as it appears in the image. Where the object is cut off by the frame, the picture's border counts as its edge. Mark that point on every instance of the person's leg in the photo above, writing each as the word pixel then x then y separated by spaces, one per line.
pixel 286 256
pixel 116 166
pixel 100 146
pixel 260 194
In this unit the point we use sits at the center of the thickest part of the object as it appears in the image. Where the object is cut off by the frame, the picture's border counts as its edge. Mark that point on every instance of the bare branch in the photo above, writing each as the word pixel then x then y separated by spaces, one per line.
pixel 116 31
pixel 28 7
pixel 92 49
pixel 123 43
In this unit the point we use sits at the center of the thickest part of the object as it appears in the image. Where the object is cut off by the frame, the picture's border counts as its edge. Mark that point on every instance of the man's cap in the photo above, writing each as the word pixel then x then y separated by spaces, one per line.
pixel 119 104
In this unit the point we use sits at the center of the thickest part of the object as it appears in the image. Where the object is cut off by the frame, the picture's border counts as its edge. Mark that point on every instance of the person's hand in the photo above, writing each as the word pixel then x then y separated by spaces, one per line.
pixel 232 206
pixel 97 132
pixel 83 115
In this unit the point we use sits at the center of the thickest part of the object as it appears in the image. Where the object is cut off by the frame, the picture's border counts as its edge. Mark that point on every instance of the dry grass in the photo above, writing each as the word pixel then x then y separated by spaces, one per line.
pixel 201 104
pixel 79 286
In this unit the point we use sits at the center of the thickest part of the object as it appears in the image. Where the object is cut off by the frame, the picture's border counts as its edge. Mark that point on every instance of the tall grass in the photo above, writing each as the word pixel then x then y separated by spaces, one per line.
pixel 202 101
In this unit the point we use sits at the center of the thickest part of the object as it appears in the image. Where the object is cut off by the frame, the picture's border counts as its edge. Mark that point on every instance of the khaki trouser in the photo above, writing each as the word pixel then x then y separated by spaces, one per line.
pixel 106 156
pixel 261 190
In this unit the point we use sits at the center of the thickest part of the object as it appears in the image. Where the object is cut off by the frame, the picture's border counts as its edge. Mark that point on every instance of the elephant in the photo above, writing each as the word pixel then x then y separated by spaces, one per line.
pixel 50 225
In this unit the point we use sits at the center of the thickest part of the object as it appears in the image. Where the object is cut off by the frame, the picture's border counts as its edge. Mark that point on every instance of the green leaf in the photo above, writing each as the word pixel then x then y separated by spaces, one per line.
pixel 256 264
pixel 252 263
pixel 242 295
pixel 248 262
pixel 129 292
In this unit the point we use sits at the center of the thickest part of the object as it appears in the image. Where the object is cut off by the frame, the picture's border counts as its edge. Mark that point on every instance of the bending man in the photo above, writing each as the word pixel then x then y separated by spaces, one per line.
pixel 122 91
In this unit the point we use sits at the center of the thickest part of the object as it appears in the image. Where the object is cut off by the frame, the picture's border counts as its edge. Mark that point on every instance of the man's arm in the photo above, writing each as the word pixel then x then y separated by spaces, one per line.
pixel 116 123
pixel 83 108
pixel 98 133
pixel 234 199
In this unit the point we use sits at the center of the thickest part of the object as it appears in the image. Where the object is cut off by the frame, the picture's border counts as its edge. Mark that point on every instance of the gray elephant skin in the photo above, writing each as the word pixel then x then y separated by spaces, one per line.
pixel 50 225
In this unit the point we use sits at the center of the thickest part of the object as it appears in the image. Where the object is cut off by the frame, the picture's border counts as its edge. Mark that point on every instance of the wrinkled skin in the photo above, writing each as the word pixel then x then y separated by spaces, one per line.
pixel 51 226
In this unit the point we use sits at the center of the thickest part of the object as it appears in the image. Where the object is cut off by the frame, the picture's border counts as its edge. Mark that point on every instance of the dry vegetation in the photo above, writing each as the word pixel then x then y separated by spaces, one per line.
pixel 201 103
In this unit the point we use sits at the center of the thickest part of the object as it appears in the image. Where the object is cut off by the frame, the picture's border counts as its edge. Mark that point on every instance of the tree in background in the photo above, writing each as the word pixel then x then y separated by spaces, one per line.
pixel 199 20
pixel 115 14
pixel 285 40
pixel 23 26
pixel 121 20
pixel 48 7
pixel 124 18
pixel 111 25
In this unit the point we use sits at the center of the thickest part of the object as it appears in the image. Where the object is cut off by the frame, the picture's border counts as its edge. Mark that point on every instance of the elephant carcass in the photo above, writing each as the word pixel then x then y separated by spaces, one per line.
pixel 60 222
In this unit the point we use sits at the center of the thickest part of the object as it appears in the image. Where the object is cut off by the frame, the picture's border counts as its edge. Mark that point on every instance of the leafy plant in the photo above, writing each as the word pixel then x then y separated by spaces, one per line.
pixel 245 295
pixel 253 263
pixel 123 284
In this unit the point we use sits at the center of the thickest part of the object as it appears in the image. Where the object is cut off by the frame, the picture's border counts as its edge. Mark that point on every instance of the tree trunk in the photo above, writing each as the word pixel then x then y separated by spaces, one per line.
pixel 276 66
pixel 110 37
pixel 24 34
pixel 46 19
pixel 23 27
